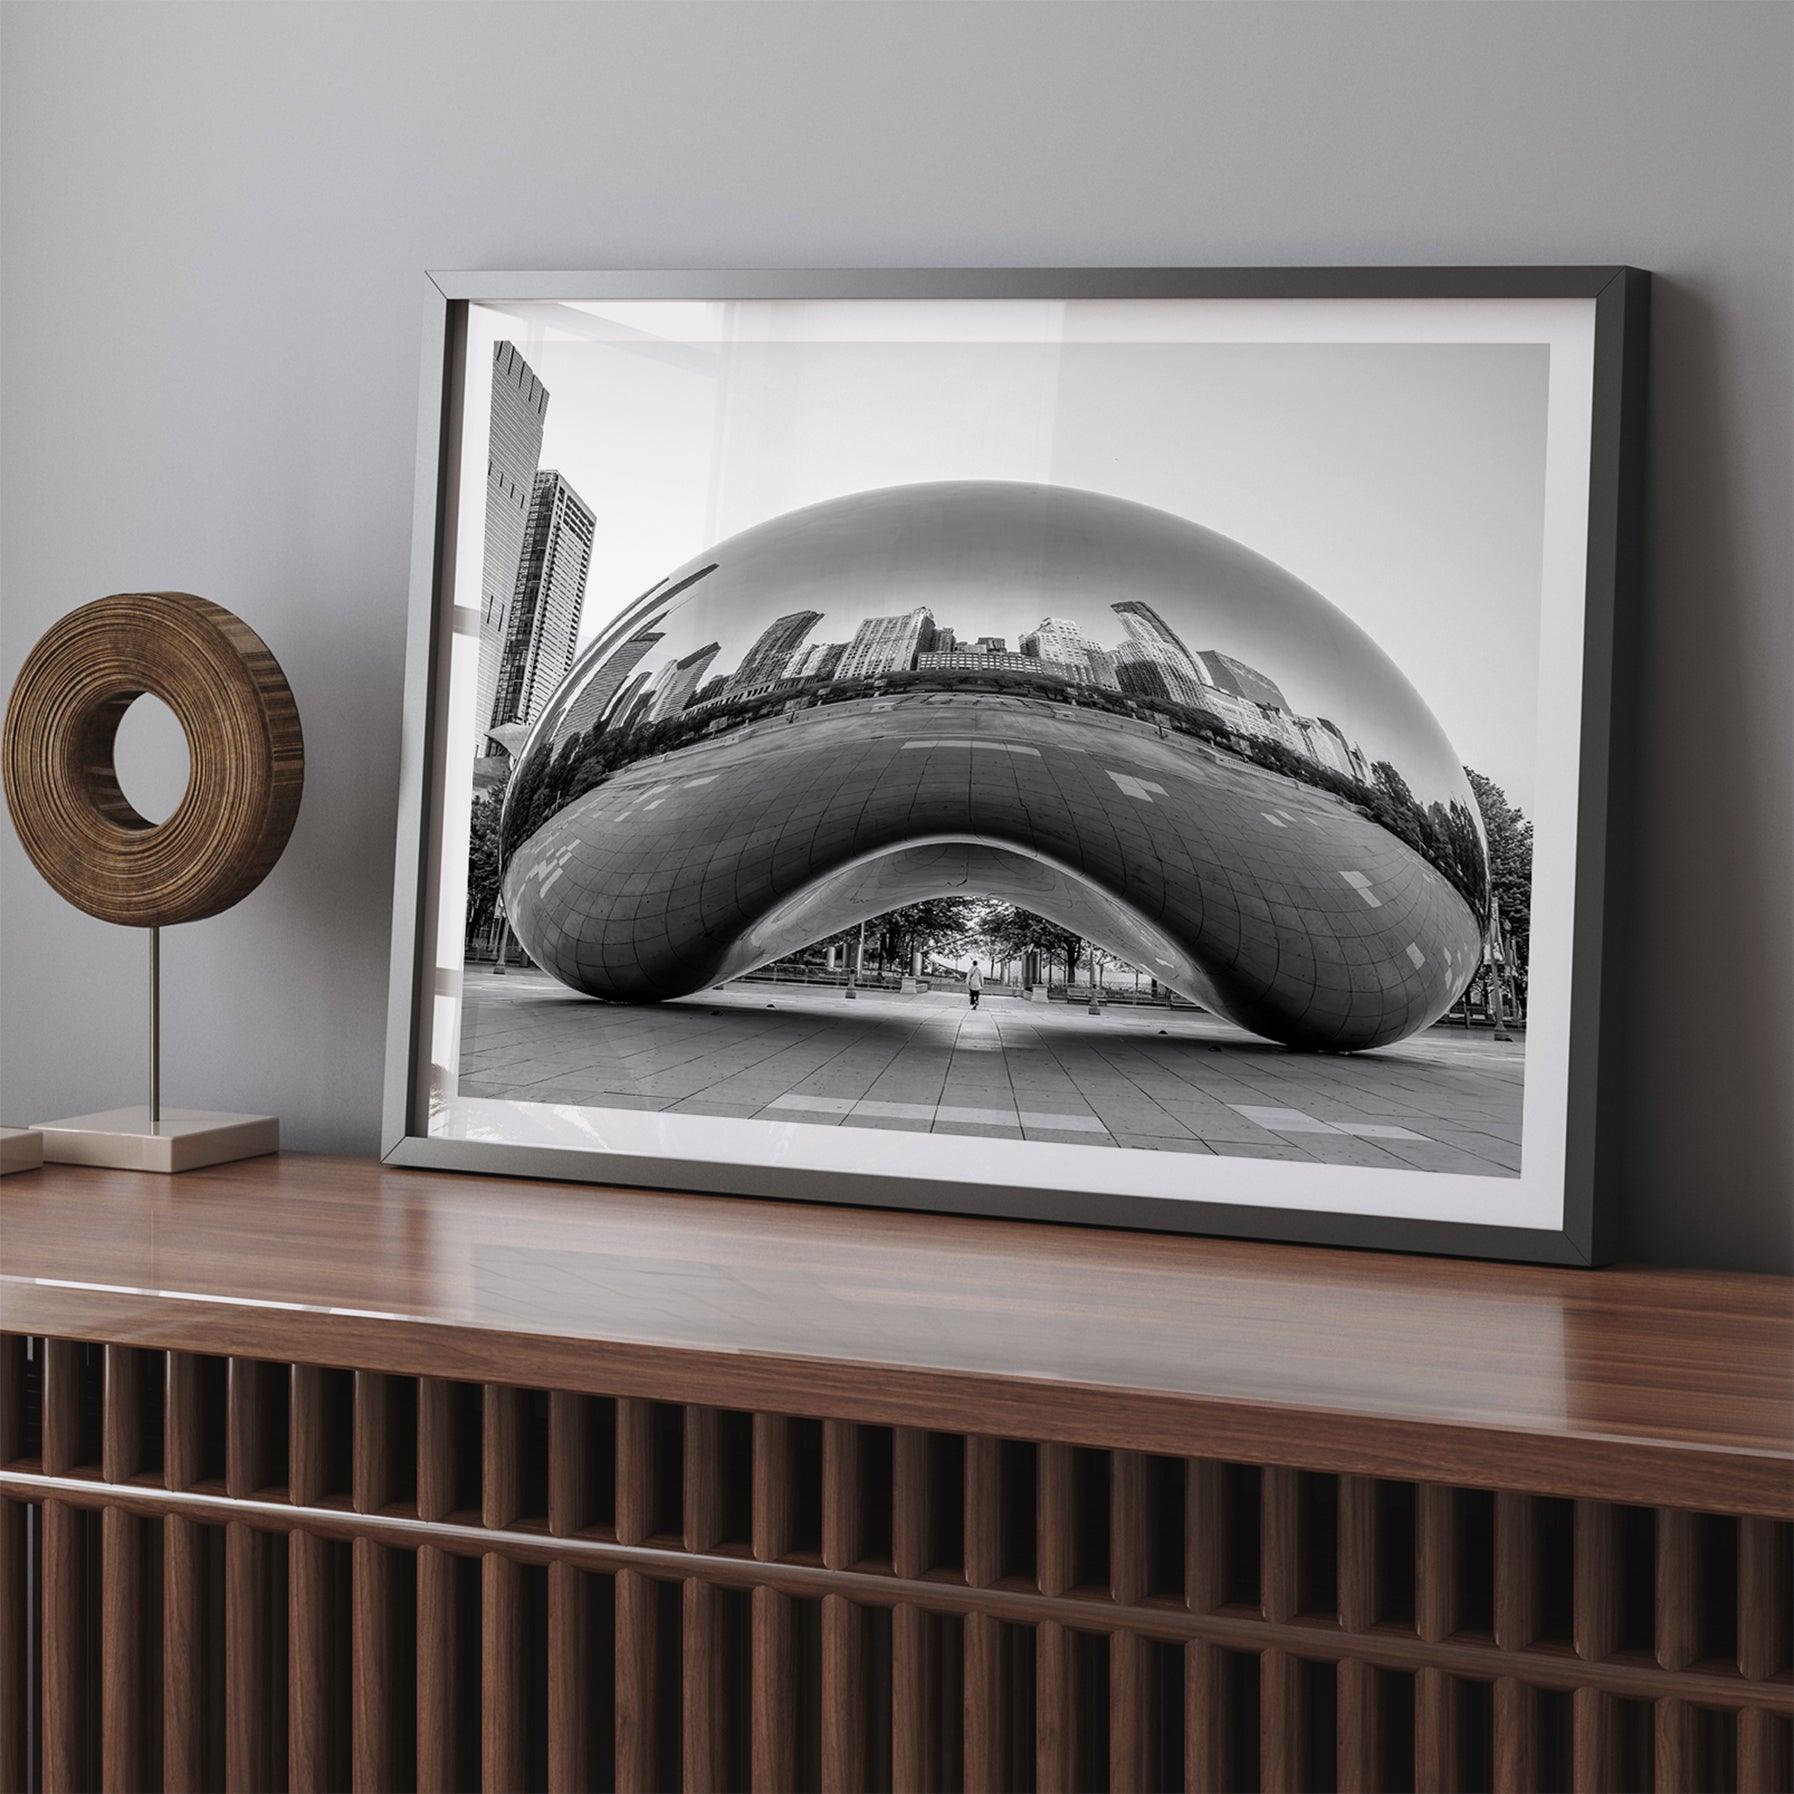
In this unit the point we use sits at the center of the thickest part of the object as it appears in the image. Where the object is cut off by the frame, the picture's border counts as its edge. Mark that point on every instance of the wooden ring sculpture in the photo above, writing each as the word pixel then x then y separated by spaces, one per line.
pixel 245 750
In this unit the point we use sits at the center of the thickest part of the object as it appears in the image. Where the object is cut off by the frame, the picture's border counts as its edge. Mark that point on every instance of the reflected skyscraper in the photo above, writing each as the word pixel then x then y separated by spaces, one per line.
pixel 1066 643
pixel 887 644
pixel 589 707
pixel 1242 680
pixel 1154 659
pixel 519 409
pixel 1326 743
pixel 767 659
pixel 816 660
pixel 678 681
pixel 633 704
pixel 543 630
pixel 970 662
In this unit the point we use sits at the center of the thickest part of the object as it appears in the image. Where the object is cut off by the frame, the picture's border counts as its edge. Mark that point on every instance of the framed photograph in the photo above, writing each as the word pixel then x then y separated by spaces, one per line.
pixel 1117 746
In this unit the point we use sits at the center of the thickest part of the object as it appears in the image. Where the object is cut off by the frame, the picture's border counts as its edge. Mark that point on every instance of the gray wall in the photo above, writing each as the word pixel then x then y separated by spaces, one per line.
pixel 215 219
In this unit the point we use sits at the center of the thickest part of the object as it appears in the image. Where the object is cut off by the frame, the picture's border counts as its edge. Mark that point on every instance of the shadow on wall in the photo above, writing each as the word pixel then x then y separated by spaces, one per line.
pixel 1696 1092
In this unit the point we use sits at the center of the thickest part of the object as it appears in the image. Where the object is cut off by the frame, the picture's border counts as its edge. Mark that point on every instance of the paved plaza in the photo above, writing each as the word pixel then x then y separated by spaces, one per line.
pixel 1145 1078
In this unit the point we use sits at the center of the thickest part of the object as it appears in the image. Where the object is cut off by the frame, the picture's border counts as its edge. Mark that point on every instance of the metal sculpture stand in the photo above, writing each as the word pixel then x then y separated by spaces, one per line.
pixel 146 1137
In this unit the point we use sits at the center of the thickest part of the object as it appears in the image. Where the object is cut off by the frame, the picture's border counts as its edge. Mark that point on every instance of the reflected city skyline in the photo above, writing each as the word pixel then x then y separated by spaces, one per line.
pixel 1150 660
pixel 1005 569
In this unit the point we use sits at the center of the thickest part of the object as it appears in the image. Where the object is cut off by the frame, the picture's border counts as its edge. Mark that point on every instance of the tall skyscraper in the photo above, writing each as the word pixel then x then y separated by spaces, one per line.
pixel 1152 642
pixel 543 631
pixel 676 682
pixel 766 660
pixel 1242 680
pixel 589 707
pixel 887 644
pixel 519 407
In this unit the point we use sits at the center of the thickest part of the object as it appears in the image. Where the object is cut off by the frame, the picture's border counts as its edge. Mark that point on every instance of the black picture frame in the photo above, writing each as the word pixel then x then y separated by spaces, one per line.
pixel 1620 298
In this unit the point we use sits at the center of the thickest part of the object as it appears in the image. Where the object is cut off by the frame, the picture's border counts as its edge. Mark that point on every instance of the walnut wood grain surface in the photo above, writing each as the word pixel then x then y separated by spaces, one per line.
pixel 1631 1384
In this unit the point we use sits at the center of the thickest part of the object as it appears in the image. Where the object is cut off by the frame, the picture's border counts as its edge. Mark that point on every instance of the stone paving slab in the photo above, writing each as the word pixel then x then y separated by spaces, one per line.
pixel 1163 1143
pixel 1135 1078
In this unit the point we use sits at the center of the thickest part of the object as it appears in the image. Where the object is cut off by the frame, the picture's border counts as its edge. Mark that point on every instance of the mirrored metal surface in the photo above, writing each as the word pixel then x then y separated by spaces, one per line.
pixel 1095 710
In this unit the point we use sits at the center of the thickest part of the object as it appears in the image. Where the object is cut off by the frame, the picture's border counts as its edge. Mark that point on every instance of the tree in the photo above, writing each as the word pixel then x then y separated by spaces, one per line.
pixel 937 924
pixel 1102 961
pixel 1510 858
pixel 844 938
pixel 1009 933
pixel 1391 783
pixel 483 869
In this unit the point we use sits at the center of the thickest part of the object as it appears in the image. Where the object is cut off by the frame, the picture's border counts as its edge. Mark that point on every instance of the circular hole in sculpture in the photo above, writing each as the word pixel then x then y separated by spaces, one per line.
pixel 150 759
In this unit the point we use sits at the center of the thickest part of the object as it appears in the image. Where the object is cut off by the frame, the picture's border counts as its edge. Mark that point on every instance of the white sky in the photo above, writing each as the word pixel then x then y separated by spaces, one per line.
pixel 1404 482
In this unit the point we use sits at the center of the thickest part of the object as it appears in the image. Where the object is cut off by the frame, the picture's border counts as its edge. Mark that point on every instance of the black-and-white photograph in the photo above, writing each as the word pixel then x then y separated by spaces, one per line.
pixel 988 722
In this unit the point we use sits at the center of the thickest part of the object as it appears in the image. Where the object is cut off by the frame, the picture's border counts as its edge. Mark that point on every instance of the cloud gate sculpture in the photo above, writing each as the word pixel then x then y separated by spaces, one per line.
pixel 1100 712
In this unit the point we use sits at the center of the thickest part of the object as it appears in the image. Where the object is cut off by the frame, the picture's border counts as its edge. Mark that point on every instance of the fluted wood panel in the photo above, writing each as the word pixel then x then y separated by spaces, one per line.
pixel 844 1668
pixel 638 1690
pixel 17 1634
pixel 245 1574
pixel 911 1708
pixel 188 1670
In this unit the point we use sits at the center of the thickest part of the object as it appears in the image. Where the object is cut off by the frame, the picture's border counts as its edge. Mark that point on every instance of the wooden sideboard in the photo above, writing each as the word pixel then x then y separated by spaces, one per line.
pixel 316 1474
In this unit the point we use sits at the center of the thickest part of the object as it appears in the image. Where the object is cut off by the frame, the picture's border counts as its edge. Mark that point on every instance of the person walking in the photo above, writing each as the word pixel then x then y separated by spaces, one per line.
pixel 974 983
